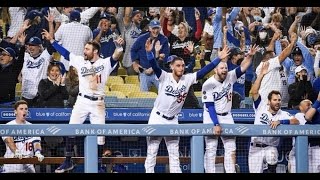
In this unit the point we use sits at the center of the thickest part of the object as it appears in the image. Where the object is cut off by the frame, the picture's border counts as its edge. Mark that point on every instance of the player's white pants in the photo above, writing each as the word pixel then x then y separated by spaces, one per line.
pixel 258 155
pixel 18 168
pixel 153 143
pixel 229 144
pixel 172 144
pixel 95 109
pixel 314 159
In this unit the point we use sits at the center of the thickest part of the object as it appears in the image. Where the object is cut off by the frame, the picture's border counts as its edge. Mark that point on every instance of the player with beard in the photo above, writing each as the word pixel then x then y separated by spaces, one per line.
pixel 93 73
pixel 173 89
pixel 217 98
pixel 20 146
pixel 264 149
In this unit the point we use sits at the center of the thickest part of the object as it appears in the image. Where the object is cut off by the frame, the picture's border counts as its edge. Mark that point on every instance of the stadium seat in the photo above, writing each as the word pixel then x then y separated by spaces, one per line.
pixel 18 91
pixel 125 88
pixel 142 94
pixel 117 94
pixel 114 80
pixel 106 89
pixel 132 80
pixel 198 93
pixel 153 89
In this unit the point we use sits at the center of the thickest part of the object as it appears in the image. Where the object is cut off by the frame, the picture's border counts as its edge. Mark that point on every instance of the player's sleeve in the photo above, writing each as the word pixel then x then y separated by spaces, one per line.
pixel 301 118
pixel 209 67
pixel 154 64
pixel 207 91
pixel 274 63
pixel 233 75
pixel 257 102
pixel 63 51
pixel 74 60
pixel 111 64
pixel 212 112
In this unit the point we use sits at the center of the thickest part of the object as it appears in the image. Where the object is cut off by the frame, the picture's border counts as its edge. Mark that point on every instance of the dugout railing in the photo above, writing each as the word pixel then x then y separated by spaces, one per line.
pixel 196 131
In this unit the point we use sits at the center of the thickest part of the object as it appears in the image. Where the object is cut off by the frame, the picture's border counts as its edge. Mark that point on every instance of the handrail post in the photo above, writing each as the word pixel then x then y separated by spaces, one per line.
pixel 90 154
pixel 197 154
pixel 302 154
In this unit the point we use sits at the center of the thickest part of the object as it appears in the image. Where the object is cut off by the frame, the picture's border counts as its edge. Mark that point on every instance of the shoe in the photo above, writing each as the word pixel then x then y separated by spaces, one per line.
pixel 65 166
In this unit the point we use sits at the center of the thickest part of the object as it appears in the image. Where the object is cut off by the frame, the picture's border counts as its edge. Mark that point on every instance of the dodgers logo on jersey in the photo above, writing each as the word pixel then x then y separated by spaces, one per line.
pixel 85 71
pixel 20 139
pixel 264 119
pixel 36 64
pixel 219 95
pixel 179 93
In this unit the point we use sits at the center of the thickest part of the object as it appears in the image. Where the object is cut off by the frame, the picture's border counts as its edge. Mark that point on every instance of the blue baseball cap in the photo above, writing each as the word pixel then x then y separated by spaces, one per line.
pixel 34 41
pixel 33 14
pixel 260 28
pixel 211 11
pixel 9 50
pixel 105 16
pixel 154 24
pixel 75 15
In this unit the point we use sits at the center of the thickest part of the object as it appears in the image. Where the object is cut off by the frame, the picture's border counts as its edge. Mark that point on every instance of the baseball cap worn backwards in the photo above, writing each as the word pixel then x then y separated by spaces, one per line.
pixel 33 14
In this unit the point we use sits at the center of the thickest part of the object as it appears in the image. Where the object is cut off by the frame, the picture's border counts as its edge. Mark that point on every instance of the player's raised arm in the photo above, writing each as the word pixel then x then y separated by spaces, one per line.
pixel 287 51
pixel 64 52
pixel 117 52
pixel 256 85
pixel 150 56
pixel 206 69
pixel 312 111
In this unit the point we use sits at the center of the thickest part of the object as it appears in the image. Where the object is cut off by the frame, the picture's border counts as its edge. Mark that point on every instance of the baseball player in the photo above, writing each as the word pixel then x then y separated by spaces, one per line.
pixel 264 149
pixel 93 73
pixel 173 89
pixel 217 98
pixel 304 106
pixel 313 117
pixel 20 146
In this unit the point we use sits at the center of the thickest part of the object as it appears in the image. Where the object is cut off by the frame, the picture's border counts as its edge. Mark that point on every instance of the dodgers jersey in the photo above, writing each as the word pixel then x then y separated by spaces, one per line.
pixel 219 93
pixel 23 143
pixel 172 94
pixel 264 117
pixel 92 77
pixel 33 70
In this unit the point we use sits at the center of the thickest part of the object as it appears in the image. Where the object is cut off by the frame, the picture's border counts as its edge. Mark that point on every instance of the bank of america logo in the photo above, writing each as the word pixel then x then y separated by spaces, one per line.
pixel 53 129
pixel 148 129
pixel 242 129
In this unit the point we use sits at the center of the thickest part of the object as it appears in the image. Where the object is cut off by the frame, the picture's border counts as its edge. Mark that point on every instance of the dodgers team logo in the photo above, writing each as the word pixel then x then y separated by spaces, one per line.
pixel 180 94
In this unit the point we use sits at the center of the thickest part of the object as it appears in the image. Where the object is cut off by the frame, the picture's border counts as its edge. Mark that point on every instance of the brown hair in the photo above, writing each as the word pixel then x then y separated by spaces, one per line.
pixel 95 45
pixel 18 103
pixel 272 93
pixel 73 76
pixel 51 65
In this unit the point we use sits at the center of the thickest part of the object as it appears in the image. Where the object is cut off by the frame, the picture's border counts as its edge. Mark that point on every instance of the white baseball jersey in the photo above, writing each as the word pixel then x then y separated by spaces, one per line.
pixel 23 143
pixel 264 117
pixel 302 121
pixel 172 94
pixel 275 79
pixel 33 70
pixel 92 77
pixel 219 93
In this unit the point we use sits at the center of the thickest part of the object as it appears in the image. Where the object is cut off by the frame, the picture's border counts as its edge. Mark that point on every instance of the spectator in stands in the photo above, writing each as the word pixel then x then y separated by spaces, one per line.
pixel 316 82
pixel 169 22
pixel 276 79
pixel 235 58
pixel 131 26
pixel 311 18
pixel 301 89
pixel 313 118
pixel 52 91
pixel 36 61
pixel 138 55
pixel 10 68
pixel 72 85
pixel 21 146
pixel 104 35
pixel 15 19
pixel 73 36
pixel 208 28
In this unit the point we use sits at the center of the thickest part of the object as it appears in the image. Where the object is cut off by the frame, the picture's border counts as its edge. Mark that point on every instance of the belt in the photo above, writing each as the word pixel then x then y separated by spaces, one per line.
pixel 92 98
pixel 259 145
pixel 222 114
pixel 164 116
